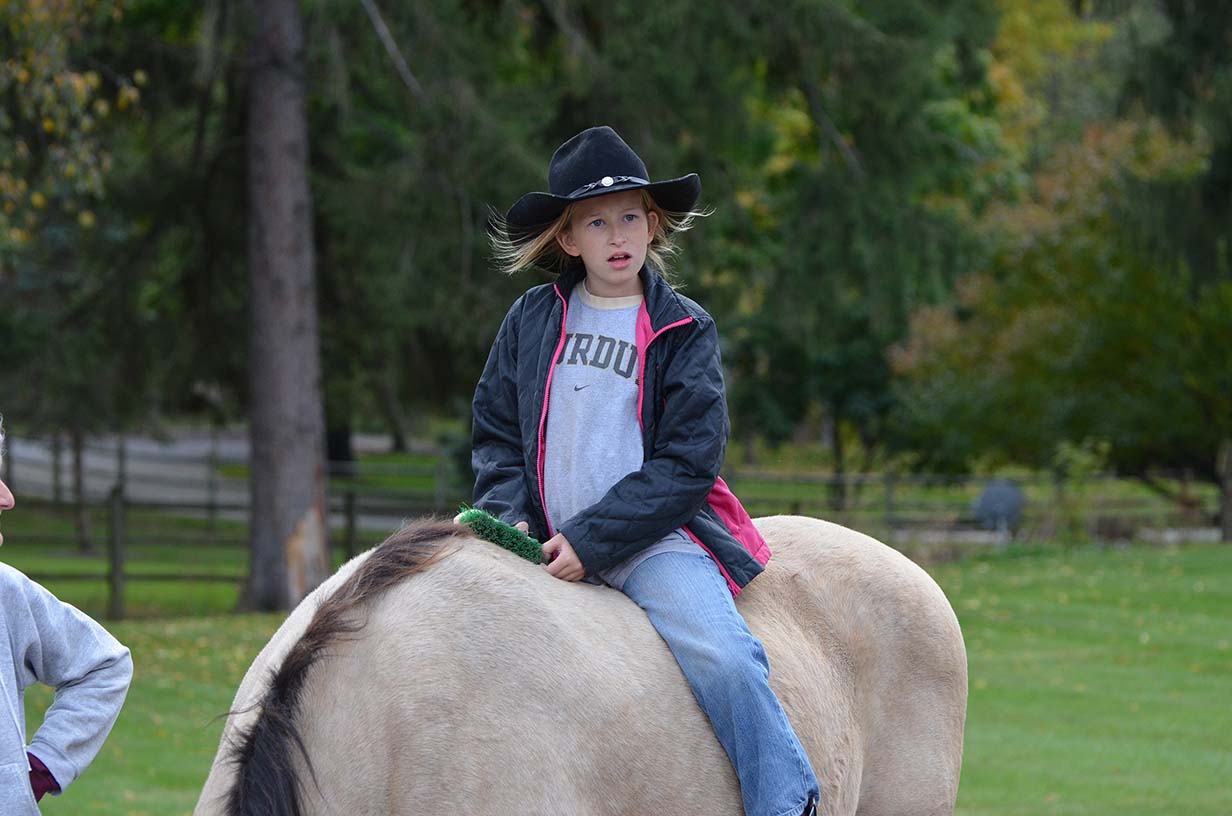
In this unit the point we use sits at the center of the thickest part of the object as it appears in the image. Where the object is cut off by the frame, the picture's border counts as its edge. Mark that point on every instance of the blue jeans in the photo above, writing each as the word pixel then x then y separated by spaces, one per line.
pixel 687 600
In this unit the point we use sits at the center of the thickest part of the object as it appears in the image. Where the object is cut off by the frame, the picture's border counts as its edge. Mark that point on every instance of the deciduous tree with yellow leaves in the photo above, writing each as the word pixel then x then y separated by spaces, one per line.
pixel 54 103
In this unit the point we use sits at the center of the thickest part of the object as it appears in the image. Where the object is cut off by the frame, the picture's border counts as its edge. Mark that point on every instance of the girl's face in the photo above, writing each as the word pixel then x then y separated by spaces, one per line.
pixel 610 233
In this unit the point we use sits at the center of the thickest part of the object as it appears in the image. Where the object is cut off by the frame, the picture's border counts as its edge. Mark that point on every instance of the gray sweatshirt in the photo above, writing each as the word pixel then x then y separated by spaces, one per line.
pixel 53 643
pixel 593 436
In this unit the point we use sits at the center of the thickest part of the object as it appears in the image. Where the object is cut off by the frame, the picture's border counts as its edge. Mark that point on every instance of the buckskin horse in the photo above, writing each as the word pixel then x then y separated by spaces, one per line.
pixel 439 674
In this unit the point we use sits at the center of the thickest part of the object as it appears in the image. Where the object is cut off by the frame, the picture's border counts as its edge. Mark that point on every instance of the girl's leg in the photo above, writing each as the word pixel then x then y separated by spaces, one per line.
pixel 687 600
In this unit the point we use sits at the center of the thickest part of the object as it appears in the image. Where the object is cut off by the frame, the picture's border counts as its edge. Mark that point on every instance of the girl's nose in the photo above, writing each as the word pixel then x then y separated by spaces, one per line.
pixel 6 497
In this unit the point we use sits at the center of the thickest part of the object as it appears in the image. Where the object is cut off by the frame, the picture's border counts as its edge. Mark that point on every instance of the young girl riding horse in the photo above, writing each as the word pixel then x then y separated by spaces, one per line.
pixel 600 424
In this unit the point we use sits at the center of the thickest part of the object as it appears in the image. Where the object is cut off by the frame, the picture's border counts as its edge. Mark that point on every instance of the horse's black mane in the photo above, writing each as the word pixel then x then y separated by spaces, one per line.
pixel 266 780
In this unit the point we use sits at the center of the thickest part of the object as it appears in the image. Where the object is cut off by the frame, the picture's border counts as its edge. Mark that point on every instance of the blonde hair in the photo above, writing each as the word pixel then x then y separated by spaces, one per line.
pixel 515 251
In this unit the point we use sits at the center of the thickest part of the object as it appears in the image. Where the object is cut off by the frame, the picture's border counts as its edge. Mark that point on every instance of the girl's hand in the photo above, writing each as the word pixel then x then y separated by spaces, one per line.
pixel 563 562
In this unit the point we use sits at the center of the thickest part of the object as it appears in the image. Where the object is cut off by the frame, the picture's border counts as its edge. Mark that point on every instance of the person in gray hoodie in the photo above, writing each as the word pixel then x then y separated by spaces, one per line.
pixel 44 640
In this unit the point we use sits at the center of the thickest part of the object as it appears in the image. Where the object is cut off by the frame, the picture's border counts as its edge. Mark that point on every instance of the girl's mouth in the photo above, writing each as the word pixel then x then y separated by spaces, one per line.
pixel 620 257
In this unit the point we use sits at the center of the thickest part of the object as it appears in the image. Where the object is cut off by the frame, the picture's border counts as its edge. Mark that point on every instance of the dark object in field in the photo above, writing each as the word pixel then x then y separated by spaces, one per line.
pixel 999 507
pixel 1115 529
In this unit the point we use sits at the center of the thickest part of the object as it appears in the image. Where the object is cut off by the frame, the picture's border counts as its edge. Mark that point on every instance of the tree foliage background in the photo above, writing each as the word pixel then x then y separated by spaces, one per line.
pixel 945 235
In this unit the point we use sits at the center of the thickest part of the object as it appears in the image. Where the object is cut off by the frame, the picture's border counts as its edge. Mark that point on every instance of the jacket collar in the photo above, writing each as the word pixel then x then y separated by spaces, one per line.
pixel 662 302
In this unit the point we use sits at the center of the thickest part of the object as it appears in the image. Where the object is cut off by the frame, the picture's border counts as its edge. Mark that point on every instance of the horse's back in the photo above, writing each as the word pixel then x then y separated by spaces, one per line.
pixel 521 693
pixel 495 688
pixel 484 686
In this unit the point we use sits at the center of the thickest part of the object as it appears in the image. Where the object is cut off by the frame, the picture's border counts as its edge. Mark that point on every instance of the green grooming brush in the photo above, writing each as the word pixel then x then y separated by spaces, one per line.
pixel 490 528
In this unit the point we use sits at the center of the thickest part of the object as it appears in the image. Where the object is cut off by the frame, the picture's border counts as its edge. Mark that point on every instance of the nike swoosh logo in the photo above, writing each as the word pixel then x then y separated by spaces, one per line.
pixel 580 387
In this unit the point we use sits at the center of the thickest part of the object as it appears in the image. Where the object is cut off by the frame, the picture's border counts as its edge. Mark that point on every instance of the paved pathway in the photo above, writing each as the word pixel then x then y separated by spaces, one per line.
pixel 178 470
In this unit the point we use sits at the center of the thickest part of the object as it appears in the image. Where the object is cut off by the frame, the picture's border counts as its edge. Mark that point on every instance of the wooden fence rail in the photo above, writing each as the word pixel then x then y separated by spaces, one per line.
pixel 894 507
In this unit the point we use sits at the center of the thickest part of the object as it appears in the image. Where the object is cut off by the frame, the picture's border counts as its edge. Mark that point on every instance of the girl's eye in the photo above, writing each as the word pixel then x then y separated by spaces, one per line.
pixel 630 217
pixel 598 222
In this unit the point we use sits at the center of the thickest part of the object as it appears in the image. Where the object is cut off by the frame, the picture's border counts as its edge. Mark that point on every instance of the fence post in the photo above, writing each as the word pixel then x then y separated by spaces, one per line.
pixel 1058 503
pixel 211 487
pixel 442 476
pixel 57 458
pixel 121 459
pixel 1225 492
pixel 116 553
pixel 349 507
pixel 889 504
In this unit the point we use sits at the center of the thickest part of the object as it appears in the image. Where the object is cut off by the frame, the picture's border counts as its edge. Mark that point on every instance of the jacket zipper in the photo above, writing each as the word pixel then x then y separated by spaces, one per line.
pixel 641 379
pixel 641 365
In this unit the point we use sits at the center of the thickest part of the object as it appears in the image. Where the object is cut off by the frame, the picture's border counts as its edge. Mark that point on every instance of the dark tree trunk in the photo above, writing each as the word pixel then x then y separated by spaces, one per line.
pixel 341 352
pixel 750 448
pixel 81 512
pixel 289 536
pixel 339 450
pixel 387 399
pixel 838 489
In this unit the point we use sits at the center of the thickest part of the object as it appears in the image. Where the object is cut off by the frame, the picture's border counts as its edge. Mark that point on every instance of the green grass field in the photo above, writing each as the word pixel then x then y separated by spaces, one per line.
pixel 185 675
pixel 1100 684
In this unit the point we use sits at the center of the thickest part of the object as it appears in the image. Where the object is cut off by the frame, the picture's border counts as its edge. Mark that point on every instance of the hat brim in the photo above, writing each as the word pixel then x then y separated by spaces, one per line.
pixel 535 212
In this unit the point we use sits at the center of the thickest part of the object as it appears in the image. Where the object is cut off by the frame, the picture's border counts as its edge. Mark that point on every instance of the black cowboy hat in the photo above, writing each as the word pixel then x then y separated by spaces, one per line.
pixel 593 163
